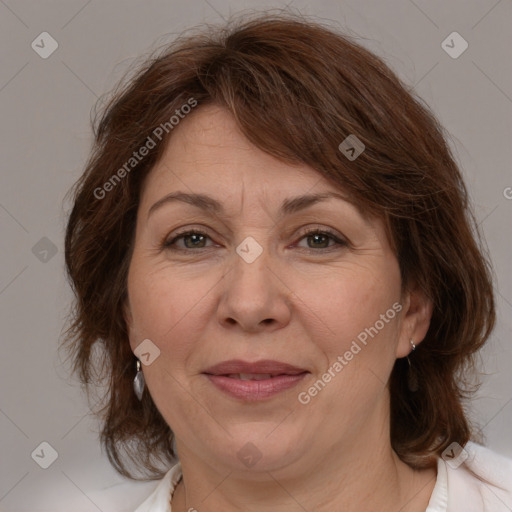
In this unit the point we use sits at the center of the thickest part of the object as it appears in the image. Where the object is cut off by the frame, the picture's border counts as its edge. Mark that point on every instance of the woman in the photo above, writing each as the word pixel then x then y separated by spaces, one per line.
pixel 272 246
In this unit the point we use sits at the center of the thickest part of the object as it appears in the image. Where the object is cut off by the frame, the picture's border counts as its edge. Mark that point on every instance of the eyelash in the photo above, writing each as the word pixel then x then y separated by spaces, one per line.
pixel 168 244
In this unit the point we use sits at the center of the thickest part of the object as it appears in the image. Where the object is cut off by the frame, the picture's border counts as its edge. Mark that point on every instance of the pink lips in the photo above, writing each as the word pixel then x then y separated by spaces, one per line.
pixel 254 381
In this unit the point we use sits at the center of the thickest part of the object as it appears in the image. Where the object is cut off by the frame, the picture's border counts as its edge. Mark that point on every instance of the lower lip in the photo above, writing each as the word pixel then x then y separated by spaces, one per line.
pixel 253 390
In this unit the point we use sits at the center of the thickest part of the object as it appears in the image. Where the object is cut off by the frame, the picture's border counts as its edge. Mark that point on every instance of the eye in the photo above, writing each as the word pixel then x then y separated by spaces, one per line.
pixel 320 239
pixel 192 240
pixel 195 239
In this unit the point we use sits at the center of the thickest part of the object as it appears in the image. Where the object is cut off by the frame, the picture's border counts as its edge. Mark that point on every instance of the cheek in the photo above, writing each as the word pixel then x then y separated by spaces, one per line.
pixel 168 309
pixel 349 301
pixel 360 311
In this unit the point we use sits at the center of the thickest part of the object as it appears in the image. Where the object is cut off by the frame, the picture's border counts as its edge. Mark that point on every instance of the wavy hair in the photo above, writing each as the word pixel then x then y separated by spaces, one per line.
pixel 296 89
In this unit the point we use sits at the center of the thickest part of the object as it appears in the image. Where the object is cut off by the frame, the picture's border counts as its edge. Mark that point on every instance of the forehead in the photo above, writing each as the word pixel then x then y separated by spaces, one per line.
pixel 207 155
pixel 208 152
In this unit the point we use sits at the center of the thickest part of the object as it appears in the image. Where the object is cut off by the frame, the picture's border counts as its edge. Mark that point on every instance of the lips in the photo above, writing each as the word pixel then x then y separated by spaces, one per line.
pixel 251 376
pixel 265 367
pixel 254 381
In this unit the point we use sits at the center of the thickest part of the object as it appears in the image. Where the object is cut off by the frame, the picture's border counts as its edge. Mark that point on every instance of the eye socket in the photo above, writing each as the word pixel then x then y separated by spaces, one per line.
pixel 326 234
pixel 195 235
pixel 198 239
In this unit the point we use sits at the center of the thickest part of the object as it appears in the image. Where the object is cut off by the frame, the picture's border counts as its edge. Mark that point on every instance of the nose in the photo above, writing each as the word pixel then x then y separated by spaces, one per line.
pixel 255 298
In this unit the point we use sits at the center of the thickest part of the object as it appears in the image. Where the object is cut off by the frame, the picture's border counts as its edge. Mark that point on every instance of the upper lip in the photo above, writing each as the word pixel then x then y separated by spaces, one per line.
pixel 264 366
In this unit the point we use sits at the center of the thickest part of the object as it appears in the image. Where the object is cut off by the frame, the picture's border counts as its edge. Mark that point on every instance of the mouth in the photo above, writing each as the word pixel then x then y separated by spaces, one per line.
pixel 254 376
pixel 254 381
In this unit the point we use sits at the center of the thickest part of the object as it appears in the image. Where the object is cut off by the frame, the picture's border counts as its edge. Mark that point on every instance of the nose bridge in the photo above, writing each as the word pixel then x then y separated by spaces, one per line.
pixel 251 280
pixel 252 296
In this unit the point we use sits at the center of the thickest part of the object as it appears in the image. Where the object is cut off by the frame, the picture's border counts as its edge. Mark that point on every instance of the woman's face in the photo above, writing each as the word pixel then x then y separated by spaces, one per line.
pixel 250 286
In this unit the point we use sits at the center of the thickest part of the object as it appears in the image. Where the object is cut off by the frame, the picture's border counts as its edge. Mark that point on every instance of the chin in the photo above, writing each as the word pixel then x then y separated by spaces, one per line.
pixel 260 448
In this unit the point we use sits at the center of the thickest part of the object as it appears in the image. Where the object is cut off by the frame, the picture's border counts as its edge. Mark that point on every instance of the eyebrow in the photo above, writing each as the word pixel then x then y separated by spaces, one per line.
pixel 209 204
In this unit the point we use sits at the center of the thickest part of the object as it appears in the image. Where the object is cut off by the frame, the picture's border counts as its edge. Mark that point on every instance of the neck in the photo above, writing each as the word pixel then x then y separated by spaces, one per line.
pixel 362 479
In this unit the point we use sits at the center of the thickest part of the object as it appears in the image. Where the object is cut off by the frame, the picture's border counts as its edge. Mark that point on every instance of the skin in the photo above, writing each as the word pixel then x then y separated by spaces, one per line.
pixel 302 301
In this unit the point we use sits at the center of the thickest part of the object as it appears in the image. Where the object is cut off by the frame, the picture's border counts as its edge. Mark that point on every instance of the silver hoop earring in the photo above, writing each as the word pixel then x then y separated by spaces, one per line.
pixel 412 344
pixel 138 381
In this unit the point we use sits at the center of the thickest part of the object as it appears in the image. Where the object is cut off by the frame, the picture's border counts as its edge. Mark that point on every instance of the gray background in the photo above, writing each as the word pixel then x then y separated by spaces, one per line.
pixel 45 107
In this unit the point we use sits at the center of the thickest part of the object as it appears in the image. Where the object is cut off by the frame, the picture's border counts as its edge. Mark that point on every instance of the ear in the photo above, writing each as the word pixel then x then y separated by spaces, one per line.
pixel 417 312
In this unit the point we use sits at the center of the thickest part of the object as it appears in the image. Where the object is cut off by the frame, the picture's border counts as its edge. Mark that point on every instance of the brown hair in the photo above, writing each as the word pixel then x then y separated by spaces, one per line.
pixel 297 89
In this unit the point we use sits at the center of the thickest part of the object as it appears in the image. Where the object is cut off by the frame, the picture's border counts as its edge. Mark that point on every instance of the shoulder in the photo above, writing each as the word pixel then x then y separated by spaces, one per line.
pixel 478 479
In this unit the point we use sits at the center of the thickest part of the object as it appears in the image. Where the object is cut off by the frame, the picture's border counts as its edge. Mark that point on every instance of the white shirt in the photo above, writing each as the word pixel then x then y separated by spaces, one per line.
pixel 482 483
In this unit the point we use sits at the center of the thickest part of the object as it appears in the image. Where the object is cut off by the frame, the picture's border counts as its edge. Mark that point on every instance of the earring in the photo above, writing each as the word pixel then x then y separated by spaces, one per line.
pixel 412 378
pixel 138 381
